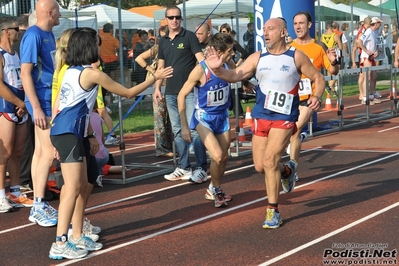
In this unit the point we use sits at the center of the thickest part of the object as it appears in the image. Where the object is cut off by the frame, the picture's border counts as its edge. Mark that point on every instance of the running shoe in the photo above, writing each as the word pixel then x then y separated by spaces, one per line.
pixel 5 205
pixel 22 200
pixel 42 216
pixel 52 211
pixel 199 176
pixel 371 102
pixel 179 174
pixel 209 195
pixel 377 95
pixel 85 243
pixel 296 177
pixel 273 219
pixel 288 183
pixel 303 137
pixel 376 100
pixel 93 237
pixel 219 198
pixel 67 251
pixel 89 228
pixel 111 140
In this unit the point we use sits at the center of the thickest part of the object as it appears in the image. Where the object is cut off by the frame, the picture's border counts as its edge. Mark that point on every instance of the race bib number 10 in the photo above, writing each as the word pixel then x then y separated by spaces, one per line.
pixel 305 87
pixel 218 97
pixel 280 102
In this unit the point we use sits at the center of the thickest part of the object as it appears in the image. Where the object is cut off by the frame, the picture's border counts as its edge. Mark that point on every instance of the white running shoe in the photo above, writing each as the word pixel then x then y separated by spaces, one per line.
pixel 377 95
pixel 85 243
pixel 88 228
pixel 199 176
pixel 111 140
pixel 303 136
pixel 5 205
pixel 179 174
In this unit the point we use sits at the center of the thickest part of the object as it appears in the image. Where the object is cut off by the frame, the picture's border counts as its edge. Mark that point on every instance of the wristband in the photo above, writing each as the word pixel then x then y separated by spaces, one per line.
pixel 334 63
pixel 145 67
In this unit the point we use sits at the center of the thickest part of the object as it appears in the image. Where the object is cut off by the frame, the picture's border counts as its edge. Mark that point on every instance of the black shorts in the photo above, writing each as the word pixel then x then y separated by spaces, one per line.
pixel 69 147
pixel 304 102
pixel 72 149
pixel 92 167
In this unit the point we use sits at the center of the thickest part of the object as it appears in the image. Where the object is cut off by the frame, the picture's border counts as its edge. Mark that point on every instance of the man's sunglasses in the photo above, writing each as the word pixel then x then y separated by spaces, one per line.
pixel 15 28
pixel 173 17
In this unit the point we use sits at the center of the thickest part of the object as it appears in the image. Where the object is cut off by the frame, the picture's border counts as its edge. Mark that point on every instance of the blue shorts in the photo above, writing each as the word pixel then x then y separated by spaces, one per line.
pixel 217 123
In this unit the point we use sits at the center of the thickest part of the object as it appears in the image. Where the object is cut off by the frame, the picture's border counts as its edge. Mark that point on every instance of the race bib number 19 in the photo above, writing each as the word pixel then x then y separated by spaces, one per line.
pixel 280 102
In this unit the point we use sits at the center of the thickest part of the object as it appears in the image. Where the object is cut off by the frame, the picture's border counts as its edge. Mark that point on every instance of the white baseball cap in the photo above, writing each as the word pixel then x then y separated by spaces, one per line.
pixel 375 20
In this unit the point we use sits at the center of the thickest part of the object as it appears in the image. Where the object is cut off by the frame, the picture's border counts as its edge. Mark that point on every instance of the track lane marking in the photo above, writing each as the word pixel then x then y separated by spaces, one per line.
pixel 340 230
pixel 110 249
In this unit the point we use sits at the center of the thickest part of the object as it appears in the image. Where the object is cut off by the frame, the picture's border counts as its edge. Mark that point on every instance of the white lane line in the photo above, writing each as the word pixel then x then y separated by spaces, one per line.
pixel 94 254
pixel 391 128
pixel 317 240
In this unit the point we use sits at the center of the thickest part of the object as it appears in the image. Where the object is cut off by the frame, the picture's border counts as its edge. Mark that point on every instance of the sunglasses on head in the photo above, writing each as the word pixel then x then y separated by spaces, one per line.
pixel 173 17
pixel 14 28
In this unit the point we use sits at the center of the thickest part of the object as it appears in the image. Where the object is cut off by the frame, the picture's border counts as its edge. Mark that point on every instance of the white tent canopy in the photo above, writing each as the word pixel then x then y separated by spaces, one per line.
pixel 377 2
pixel 109 14
pixel 71 19
pixel 363 13
pixel 198 9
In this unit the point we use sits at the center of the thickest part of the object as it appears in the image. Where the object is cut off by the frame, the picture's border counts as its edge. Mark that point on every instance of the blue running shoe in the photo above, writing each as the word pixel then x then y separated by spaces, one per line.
pixel 288 183
pixel 42 216
pixel 52 211
pixel 273 219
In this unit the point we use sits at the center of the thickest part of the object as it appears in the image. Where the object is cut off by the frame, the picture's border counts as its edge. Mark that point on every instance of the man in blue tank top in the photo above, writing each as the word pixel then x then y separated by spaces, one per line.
pixel 278 68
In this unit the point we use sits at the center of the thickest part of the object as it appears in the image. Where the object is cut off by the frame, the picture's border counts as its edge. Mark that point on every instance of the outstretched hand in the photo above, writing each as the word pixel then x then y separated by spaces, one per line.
pixel 164 73
pixel 213 60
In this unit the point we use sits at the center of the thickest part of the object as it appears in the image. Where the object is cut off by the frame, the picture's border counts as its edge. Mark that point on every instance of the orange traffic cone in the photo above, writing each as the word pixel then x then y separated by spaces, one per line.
pixel 248 118
pixel 328 105
pixel 241 134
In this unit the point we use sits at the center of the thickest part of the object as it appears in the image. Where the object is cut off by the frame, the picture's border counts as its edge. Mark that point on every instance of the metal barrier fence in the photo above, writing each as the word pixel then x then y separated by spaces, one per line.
pixel 240 148
pixel 365 117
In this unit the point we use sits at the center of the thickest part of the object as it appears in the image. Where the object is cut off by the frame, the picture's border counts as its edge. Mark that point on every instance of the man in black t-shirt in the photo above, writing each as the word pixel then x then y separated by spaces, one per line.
pixel 180 49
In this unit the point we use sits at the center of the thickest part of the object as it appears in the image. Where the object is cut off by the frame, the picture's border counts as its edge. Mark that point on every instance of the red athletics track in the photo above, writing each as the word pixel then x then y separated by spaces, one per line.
pixel 348 193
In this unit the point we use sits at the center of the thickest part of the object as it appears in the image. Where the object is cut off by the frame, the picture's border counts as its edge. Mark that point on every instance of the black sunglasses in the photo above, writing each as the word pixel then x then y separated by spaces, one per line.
pixel 15 28
pixel 173 17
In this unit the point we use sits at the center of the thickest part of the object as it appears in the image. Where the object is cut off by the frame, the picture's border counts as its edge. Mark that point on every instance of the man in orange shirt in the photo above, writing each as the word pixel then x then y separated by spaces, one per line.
pixel 321 57
pixel 109 48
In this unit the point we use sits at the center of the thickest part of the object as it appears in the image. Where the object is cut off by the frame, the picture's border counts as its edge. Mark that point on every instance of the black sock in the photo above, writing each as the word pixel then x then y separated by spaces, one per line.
pixel 273 206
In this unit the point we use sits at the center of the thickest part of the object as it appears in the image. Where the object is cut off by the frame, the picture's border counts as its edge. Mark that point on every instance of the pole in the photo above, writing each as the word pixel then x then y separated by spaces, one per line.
pixel 184 14
pixel 122 141
pixel 237 24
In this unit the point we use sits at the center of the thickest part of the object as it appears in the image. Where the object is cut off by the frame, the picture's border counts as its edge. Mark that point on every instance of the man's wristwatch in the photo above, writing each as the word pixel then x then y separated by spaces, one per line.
pixel 92 135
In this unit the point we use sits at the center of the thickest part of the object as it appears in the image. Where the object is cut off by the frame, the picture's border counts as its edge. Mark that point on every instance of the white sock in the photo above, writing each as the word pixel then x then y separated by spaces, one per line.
pixel 2 193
